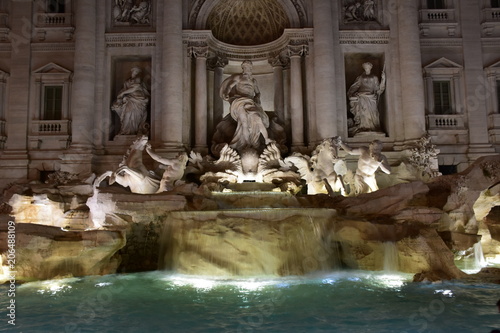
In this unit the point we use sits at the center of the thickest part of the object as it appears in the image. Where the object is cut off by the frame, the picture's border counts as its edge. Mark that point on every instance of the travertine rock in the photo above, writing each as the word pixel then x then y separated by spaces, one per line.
pixel 46 252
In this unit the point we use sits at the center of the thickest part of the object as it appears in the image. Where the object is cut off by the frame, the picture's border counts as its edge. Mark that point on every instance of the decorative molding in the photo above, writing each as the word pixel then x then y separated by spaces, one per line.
pixel 5 47
pixel 489 41
pixel 440 42
pixel 130 39
pixel 364 36
pixel 256 52
pixel 198 50
pixel 52 47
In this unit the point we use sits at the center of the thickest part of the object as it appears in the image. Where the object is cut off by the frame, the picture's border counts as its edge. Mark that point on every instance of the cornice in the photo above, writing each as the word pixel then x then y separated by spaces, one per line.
pixel 364 36
pixel 436 42
pixel 52 47
pixel 254 52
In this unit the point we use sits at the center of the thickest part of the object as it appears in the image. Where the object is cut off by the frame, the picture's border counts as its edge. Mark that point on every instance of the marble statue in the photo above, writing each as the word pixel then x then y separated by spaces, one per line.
pixel 174 169
pixel 364 95
pixel 132 12
pixel 370 160
pixel 319 171
pixel 353 12
pixel 424 157
pixel 242 92
pixel 133 173
pixel 131 104
pixel 369 10
pixel 139 14
pixel 359 11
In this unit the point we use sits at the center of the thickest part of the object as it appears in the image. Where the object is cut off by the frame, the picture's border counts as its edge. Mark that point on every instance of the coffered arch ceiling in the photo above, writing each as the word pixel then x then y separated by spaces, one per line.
pixel 247 22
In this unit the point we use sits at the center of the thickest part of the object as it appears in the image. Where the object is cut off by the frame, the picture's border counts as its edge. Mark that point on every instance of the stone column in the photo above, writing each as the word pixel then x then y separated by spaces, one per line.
pixel 14 162
pixel 412 83
pixel 493 96
pixel 296 101
pixel 171 76
pixel 83 97
pixel 79 158
pixel 457 93
pixel 277 63
pixel 430 94
pixel 311 135
pixel 475 90
pixel 324 70
pixel 200 53
pixel 217 64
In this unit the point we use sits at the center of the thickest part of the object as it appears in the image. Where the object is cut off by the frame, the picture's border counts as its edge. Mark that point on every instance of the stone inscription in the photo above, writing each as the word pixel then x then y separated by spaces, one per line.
pixel 130 44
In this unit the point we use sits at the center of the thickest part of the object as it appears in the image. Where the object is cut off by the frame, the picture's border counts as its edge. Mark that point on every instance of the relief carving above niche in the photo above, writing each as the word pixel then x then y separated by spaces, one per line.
pixel 131 12
pixel 359 11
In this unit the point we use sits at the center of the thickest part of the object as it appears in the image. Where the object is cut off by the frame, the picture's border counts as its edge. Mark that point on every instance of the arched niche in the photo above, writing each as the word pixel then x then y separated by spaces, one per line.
pixel 201 9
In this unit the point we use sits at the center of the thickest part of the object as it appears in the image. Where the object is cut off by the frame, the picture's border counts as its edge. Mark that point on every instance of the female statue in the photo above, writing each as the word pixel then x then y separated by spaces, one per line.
pixel 131 104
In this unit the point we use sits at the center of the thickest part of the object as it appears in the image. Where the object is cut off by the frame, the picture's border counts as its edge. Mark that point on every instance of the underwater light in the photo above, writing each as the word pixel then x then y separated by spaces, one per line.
pixel 198 283
pixel 392 280
pixel 53 287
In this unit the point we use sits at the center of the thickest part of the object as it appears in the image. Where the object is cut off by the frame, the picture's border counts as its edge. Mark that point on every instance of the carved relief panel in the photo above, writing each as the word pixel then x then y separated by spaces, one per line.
pixel 126 13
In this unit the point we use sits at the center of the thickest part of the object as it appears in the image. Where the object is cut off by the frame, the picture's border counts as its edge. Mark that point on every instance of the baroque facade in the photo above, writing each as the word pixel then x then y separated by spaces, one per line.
pixel 67 68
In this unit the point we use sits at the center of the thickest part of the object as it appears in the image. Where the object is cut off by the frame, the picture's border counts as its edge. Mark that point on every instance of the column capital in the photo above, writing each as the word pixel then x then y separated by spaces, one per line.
pixel 298 49
pixel 279 60
pixel 198 50
pixel 217 61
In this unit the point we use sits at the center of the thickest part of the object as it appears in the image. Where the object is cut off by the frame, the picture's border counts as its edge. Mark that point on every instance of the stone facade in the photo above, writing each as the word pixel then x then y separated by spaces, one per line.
pixel 63 63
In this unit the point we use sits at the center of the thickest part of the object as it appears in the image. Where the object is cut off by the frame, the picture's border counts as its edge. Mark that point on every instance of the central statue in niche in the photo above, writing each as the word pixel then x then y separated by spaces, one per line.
pixel 242 92
pixel 248 130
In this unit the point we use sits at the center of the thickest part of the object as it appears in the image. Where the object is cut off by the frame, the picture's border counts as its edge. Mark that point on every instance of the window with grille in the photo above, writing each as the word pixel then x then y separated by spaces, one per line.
pixel 56 6
pixel 495 3
pixel 442 97
pixel 52 108
pixel 435 4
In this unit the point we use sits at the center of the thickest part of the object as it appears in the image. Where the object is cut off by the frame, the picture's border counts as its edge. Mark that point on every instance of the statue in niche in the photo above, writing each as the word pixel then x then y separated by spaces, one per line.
pixel 130 11
pixel 364 95
pixel 131 104
pixel 242 92
pixel 174 169
pixel 370 160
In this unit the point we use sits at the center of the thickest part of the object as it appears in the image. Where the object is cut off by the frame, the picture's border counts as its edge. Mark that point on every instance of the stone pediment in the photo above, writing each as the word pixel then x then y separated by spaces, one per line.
pixel 443 66
pixel 443 63
pixel 494 68
pixel 52 68
pixel 52 73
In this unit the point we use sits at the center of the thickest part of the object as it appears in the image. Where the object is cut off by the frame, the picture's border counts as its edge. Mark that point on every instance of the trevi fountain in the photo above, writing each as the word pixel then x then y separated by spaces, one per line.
pixel 252 237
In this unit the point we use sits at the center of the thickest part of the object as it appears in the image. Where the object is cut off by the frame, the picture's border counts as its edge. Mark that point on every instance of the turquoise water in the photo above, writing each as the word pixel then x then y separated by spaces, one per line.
pixel 336 302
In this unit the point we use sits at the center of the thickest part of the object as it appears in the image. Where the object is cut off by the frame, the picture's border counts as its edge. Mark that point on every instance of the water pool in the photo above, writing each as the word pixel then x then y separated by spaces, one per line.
pixel 347 301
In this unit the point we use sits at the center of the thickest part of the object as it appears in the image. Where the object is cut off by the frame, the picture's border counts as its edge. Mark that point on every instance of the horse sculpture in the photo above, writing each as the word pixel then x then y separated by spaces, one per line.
pixel 322 171
pixel 133 173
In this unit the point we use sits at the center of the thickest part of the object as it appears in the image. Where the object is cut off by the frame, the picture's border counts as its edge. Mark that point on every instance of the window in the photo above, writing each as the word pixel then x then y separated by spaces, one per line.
pixel 435 4
pixel 495 3
pixel 442 97
pixel 56 6
pixel 52 108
